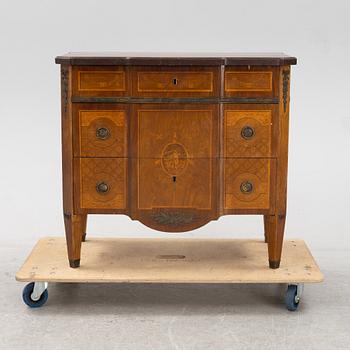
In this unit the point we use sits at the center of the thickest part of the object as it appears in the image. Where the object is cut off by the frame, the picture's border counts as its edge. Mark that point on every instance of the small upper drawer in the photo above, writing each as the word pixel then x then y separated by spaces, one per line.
pixel 99 81
pixel 175 82
pixel 251 82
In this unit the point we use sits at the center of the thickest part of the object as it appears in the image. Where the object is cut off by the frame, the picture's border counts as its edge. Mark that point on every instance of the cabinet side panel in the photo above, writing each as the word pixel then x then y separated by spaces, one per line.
pixel 67 139
pixel 282 142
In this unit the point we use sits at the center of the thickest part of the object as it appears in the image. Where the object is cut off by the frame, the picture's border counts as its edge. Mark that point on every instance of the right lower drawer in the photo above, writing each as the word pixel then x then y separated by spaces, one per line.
pixel 247 183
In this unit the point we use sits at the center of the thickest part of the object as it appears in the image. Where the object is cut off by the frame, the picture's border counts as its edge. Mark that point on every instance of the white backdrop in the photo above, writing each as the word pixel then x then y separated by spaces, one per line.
pixel 33 32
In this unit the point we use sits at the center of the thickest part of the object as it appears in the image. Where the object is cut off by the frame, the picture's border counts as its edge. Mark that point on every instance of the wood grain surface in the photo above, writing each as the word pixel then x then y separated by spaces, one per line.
pixel 138 260
pixel 176 58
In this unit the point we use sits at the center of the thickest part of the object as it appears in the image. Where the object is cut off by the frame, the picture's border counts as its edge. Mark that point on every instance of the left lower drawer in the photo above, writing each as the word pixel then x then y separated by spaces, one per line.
pixel 100 183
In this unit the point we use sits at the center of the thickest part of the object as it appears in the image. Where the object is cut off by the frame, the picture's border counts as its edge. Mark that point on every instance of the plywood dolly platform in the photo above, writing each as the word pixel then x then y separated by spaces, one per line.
pixel 167 260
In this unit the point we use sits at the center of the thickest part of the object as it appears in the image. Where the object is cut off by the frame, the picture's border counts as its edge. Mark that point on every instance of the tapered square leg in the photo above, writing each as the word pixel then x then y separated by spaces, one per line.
pixel 74 229
pixel 84 224
pixel 266 219
pixel 275 231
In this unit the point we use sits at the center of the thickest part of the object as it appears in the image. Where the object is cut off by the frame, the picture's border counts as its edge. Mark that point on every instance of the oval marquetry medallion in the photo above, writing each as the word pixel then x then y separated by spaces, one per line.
pixel 174 159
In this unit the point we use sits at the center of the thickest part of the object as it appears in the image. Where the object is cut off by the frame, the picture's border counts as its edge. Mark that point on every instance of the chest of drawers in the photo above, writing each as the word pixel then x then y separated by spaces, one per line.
pixel 175 141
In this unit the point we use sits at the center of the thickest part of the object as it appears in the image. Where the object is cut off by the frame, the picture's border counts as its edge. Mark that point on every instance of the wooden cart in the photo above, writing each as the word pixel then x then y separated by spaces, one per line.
pixel 167 260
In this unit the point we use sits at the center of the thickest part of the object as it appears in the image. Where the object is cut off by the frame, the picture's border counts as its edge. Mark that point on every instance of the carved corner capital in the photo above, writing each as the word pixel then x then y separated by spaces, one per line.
pixel 286 77
pixel 64 87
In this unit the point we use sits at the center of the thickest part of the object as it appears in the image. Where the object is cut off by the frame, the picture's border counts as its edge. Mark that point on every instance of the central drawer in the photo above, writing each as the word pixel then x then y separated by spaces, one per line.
pixel 175 149
pixel 174 166
pixel 175 82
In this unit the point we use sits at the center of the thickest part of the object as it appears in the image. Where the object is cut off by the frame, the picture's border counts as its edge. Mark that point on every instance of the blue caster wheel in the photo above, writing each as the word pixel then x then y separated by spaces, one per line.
pixel 27 296
pixel 292 298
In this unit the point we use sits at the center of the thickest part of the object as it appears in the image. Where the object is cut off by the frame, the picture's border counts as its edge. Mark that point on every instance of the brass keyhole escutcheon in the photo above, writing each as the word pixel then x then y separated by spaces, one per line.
pixel 175 81
pixel 247 132
pixel 102 133
pixel 246 187
pixel 174 179
pixel 102 187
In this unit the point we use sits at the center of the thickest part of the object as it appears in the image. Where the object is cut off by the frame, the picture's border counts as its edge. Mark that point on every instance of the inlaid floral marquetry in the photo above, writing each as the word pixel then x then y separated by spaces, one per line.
pixel 174 159
pixel 187 133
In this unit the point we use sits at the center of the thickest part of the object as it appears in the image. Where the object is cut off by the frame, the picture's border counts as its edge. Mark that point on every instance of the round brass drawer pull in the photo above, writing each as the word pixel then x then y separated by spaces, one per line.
pixel 102 187
pixel 247 132
pixel 102 133
pixel 246 187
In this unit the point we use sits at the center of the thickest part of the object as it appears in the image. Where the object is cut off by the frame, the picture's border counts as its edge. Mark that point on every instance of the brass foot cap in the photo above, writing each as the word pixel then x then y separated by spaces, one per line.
pixel 274 264
pixel 74 263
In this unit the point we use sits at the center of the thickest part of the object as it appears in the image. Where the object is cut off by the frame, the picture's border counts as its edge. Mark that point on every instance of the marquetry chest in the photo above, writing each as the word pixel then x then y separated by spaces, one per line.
pixel 175 141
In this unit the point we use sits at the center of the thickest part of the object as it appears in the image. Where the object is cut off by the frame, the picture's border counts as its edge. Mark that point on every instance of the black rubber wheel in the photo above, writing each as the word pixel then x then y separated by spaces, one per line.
pixel 26 295
pixel 291 303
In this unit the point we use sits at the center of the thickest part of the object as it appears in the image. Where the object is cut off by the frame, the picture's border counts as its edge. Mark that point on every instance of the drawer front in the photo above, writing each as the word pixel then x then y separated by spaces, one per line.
pixel 254 82
pixel 175 82
pixel 247 183
pixel 247 133
pixel 170 183
pixel 101 133
pixel 179 131
pixel 99 81
pixel 102 183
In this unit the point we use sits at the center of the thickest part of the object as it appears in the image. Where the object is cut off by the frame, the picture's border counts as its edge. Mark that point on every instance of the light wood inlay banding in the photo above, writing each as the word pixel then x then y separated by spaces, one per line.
pixel 248 81
pixel 101 81
pixel 185 81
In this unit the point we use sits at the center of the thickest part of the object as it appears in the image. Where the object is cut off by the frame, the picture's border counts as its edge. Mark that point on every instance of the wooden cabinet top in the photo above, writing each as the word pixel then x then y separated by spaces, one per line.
pixel 167 58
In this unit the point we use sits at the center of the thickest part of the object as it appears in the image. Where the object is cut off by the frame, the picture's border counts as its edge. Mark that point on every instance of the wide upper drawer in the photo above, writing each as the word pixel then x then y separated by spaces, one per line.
pixel 251 82
pixel 175 81
pixel 99 81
